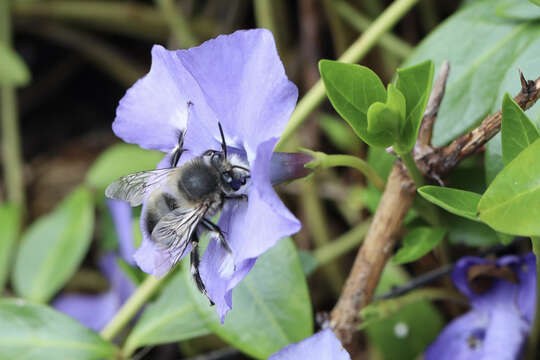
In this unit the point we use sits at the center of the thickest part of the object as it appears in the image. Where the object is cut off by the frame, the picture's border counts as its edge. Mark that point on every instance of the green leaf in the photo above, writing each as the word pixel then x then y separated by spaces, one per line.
pixel 120 160
pixel 53 247
pixel 31 331
pixel 273 299
pixel 417 243
pixel 13 70
pixel 517 9
pixel 493 158
pixel 170 318
pixel 414 82
pixel 384 119
pixel 10 222
pixel 405 334
pixel 536 2
pixel 459 202
pixel 484 52
pixel 510 204
pixel 339 133
pixel 351 90
pixel 517 130
pixel 470 233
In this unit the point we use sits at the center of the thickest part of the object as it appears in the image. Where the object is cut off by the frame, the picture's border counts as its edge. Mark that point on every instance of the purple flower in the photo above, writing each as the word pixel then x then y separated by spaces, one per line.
pixel 500 319
pixel 238 81
pixel 322 345
pixel 95 311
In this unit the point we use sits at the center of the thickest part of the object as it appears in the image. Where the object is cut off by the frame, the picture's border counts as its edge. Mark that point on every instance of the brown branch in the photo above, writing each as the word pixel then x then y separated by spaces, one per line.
pixel 395 203
pixel 373 255
pixel 432 108
pixel 441 161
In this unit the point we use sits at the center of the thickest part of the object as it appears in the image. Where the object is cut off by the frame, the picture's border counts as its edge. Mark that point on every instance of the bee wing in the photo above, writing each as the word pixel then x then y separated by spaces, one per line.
pixel 173 231
pixel 134 187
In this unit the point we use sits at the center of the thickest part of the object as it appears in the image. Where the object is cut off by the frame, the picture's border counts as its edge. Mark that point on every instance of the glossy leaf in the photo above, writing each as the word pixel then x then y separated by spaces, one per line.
pixel 10 222
pixel 417 243
pixel 484 52
pixel 517 9
pixel 414 82
pixel 53 247
pixel 120 160
pixel 271 306
pixel 405 334
pixel 459 202
pixel 384 119
pixel 510 204
pixel 31 331
pixel 517 130
pixel 170 318
pixel 351 90
pixel 13 70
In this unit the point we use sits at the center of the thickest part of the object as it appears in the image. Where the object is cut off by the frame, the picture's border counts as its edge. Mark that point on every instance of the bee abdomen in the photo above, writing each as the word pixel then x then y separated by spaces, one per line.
pixel 151 221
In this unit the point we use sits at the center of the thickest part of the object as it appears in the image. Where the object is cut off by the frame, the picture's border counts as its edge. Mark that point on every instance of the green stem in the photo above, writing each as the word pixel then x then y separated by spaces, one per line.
pixel 343 244
pixel 532 346
pixel 11 144
pixel 127 18
pixel 410 164
pixel 323 161
pixel 354 53
pixel 264 15
pixel 148 287
pixel 360 22
pixel 177 23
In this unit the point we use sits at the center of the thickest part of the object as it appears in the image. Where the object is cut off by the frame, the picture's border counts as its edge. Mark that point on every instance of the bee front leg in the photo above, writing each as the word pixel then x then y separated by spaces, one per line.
pixel 236 197
pixel 195 260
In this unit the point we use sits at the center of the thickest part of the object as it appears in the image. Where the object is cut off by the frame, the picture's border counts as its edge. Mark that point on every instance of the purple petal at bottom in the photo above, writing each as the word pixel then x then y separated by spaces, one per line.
pixel 94 311
pixel 323 345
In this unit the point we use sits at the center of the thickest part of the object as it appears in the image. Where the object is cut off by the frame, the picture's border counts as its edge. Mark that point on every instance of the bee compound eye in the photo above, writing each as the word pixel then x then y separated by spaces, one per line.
pixel 236 184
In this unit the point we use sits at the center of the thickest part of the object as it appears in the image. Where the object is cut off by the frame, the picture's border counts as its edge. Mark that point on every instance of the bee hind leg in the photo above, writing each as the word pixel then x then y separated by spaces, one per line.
pixel 213 228
pixel 227 267
pixel 195 260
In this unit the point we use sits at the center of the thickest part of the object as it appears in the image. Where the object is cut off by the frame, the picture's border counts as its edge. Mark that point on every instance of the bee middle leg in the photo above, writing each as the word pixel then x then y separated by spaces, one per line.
pixel 195 260
pixel 213 228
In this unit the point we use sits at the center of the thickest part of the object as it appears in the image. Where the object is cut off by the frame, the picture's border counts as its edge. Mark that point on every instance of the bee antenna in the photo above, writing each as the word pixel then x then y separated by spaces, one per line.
pixel 223 144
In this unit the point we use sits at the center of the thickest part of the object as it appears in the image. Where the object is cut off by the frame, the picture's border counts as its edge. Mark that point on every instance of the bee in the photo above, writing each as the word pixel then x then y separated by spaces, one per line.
pixel 179 202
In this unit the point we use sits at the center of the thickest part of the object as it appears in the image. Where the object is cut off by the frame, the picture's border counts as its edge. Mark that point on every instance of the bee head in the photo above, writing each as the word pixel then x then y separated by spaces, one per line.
pixel 232 177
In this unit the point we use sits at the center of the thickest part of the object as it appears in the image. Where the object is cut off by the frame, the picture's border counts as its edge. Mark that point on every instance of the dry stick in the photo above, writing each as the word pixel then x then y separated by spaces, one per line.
pixel 371 259
pixel 442 160
pixel 396 201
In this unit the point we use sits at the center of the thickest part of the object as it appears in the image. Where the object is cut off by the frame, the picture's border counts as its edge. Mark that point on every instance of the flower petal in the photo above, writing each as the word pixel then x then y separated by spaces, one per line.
pixel 121 217
pixel 93 311
pixel 322 345
pixel 462 339
pixel 505 335
pixel 258 225
pixel 459 275
pixel 244 83
pixel 155 109
pixel 219 285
